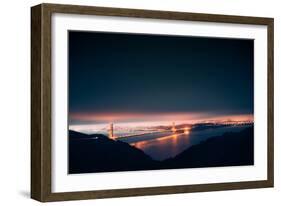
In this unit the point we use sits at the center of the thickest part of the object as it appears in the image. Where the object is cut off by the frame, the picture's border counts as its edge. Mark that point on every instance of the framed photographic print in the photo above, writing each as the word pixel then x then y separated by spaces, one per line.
pixel 132 102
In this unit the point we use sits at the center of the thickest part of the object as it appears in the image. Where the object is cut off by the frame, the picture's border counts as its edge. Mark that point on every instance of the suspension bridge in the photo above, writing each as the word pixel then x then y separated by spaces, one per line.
pixel 116 132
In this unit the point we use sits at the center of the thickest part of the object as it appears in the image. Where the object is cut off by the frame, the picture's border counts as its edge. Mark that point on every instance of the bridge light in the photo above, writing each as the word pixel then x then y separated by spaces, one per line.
pixel 186 130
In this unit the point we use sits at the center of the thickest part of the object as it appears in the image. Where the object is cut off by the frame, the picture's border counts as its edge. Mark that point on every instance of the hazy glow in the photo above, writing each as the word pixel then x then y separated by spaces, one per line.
pixel 155 117
pixel 111 117
pixel 100 121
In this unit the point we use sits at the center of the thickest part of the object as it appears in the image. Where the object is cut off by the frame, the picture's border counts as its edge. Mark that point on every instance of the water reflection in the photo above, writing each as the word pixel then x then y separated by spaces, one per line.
pixel 163 147
pixel 171 144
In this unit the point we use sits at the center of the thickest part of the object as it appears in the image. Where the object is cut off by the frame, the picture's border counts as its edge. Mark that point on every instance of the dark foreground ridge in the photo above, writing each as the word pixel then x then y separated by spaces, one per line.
pixel 98 153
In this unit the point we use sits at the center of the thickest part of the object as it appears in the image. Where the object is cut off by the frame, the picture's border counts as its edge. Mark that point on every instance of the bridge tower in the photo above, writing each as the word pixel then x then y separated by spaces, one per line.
pixel 174 127
pixel 110 131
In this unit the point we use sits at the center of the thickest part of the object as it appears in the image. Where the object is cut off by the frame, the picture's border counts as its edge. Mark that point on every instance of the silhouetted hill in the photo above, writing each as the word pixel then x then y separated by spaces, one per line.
pixel 79 135
pixel 98 153
pixel 74 134
pixel 230 149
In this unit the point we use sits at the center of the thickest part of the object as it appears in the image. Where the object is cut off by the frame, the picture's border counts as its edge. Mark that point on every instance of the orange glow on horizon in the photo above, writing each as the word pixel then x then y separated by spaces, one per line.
pixel 163 117
pixel 127 116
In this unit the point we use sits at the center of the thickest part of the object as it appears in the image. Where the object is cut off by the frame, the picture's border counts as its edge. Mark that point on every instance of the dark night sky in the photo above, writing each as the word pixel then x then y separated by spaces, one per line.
pixel 110 72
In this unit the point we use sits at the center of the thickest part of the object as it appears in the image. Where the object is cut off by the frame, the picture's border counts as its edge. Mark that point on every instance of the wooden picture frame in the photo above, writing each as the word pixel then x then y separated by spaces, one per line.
pixel 41 116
